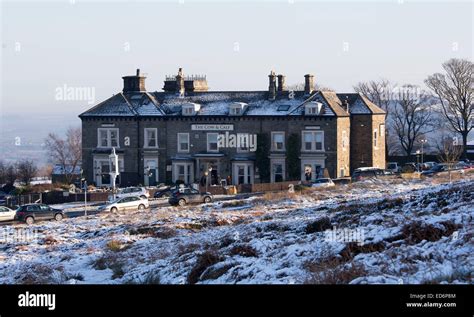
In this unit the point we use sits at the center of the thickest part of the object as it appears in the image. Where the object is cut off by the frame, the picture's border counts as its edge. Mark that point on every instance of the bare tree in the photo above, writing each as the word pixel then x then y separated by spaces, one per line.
pixel 380 92
pixel 11 174
pixel 66 152
pixel 3 173
pixel 449 152
pixel 300 87
pixel 26 170
pixel 411 117
pixel 455 91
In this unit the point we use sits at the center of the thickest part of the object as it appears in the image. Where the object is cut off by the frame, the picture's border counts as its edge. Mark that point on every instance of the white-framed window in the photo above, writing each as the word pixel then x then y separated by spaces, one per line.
pixel 108 137
pixel 190 109
pixel 382 130
pixel 183 172
pixel 312 169
pixel 151 138
pixel 278 141
pixel 183 142
pixel 344 140
pixel 313 108
pixel 312 141
pixel 242 173
pixel 277 170
pixel 375 138
pixel 243 142
pixel 237 108
pixel 212 142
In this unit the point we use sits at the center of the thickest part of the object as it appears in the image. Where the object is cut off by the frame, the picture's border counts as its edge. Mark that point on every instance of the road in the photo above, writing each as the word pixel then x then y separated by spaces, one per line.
pixel 78 212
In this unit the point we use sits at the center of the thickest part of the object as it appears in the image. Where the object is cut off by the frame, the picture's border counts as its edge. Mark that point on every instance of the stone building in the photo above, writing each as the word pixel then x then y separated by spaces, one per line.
pixel 187 133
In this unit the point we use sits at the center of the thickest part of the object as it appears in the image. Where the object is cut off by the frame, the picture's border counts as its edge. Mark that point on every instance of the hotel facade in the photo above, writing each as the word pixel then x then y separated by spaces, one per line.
pixel 186 132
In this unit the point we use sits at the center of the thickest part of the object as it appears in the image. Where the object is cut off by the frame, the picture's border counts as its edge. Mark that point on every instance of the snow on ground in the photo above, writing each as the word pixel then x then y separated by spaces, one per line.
pixel 393 231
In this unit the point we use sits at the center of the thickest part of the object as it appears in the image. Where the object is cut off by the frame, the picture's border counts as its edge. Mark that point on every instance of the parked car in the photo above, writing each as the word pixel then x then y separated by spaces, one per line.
pixel 33 212
pixel 165 191
pixel 131 192
pixel 362 173
pixel 126 203
pixel 6 214
pixel 430 165
pixel 409 167
pixel 434 170
pixel 323 182
pixel 189 195
pixel 394 167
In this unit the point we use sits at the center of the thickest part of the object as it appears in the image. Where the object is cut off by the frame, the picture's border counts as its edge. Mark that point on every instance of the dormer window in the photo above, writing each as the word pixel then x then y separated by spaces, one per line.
pixel 237 108
pixel 313 108
pixel 190 109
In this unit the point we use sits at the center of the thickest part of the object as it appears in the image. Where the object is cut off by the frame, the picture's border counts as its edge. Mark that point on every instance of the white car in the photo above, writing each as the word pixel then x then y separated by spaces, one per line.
pixel 126 203
pixel 323 182
pixel 131 192
pixel 6 214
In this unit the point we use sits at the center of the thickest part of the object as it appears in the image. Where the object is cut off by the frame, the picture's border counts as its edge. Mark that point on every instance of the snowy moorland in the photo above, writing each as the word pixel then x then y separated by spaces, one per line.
pixel 394 232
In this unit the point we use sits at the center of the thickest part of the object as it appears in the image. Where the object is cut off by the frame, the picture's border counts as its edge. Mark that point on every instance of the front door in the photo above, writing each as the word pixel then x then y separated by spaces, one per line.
pixel 243 173
pixel 151 172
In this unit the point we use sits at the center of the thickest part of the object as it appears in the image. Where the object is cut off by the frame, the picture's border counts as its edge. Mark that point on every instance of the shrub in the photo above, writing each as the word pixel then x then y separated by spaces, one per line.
pixel 417 231
pixel 318 225
pixel 244 250
pixel 330 271
pixel 204 260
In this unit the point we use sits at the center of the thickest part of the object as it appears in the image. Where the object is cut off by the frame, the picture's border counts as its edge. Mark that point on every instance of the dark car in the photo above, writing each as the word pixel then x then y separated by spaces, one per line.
pixel 33 212
pixel 165 192
pixel 362 173
pixel 434 170
pixel 189 195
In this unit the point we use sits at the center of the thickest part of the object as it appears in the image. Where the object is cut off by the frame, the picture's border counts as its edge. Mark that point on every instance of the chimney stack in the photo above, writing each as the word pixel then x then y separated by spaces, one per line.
pixel 308 84
pixel 134 83
pixel 345 104
pixel 180 82
pixel 272 85
pixel 281 83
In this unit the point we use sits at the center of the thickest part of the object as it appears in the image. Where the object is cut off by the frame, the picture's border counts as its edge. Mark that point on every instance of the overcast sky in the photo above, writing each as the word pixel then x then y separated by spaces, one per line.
pixel 46 45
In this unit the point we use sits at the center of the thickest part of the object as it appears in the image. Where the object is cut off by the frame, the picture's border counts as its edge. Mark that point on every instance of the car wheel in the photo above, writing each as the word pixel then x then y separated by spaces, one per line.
pixel 29 220
pixel 182 202
pixel 113 209
pixel 141 207
pixel 58 217
pixel 207 199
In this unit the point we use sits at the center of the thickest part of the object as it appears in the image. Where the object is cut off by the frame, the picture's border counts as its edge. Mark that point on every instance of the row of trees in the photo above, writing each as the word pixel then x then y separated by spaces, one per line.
pixel 24 171
pixel 412 112
pixel 62 151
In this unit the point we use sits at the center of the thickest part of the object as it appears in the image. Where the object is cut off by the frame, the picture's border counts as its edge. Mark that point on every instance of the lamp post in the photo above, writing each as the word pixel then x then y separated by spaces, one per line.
pixel 205 174
pixel 423 141
pixel 418 160
pixel 114 171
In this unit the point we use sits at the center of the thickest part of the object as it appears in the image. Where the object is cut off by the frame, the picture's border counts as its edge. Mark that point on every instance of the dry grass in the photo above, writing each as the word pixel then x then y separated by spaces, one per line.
pixel 331 271
pixel 318 225
pixel 244 250
pixel 417 231
pixel 204 261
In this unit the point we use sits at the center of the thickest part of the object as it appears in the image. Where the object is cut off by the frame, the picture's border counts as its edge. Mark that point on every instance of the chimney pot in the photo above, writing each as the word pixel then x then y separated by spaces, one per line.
pixel 281 82
pixel 308 84
pixel 272 85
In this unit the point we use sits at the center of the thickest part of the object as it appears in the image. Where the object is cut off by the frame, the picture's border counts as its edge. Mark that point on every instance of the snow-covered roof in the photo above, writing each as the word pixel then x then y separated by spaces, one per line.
pixel 59 170
pixel 218 104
